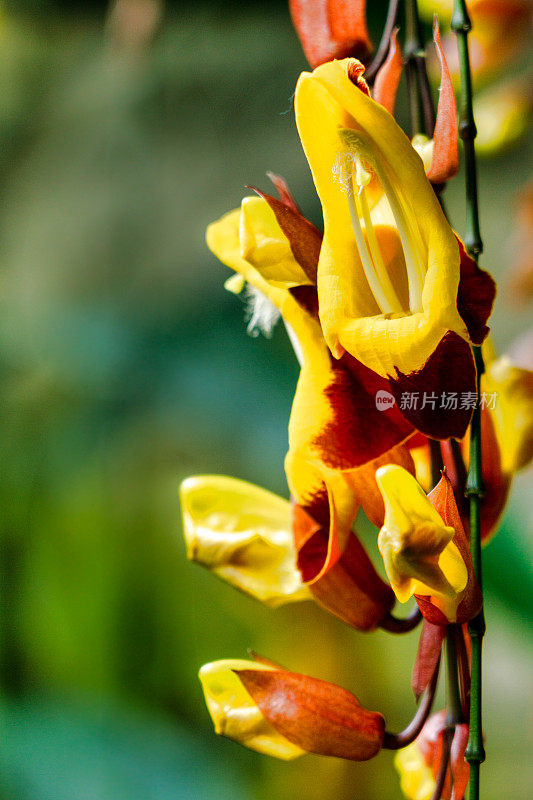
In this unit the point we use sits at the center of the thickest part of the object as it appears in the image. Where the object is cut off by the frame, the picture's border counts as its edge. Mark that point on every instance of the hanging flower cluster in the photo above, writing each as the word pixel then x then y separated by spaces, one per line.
pixel 382 307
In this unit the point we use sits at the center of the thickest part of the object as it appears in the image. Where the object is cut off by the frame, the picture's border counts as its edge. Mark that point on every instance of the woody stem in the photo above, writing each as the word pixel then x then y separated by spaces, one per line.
pixel 475 753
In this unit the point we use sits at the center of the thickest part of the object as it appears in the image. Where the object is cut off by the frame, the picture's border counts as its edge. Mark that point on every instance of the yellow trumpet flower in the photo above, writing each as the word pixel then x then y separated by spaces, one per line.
pixel 390 265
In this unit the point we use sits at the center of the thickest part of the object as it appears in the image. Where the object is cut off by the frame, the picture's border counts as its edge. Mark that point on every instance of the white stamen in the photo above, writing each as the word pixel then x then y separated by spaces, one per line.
pixel 358 143
pixel 415 276
pixel 366 259
pixel 347 170
pixel 381 270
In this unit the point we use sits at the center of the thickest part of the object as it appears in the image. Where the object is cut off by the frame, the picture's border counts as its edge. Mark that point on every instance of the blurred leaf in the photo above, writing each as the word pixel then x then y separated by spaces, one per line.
pixel 57 749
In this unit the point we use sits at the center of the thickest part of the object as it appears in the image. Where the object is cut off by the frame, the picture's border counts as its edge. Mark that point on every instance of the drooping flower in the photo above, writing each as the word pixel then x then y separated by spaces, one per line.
pixel 390 267
pixel 424 548
pixel 285 714
pixel 243 534
pixel 418 764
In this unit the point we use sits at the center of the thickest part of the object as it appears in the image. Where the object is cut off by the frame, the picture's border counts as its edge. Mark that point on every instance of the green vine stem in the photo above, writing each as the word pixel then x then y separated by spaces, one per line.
pixel 475 753
pixel 462 26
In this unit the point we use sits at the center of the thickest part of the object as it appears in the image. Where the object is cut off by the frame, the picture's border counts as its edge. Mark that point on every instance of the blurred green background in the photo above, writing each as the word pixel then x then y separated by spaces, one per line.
pixel 126 367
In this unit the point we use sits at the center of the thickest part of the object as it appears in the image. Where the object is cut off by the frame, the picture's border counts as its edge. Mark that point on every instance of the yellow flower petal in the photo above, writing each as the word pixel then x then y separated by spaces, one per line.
pixel 236 715
pixel 340 126
pixel 416 546
pixel 244 535
pixel 265 247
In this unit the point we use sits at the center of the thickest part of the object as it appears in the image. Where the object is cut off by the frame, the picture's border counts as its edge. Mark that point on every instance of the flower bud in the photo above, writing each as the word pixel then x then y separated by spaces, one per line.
pixel 284 714
pixel 419 555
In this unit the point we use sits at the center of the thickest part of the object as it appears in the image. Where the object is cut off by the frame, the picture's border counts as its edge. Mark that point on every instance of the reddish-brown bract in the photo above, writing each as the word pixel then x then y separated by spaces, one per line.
pixel 445 161
pixel 475 296
pixel 388 77
pixel 427 656
pixel 315 715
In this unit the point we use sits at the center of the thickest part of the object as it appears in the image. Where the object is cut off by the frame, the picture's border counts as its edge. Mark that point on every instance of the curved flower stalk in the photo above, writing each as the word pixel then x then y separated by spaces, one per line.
pixel 286 715
pixel 243 534
pixel 419 764
pixel 390 265
pixel 424 548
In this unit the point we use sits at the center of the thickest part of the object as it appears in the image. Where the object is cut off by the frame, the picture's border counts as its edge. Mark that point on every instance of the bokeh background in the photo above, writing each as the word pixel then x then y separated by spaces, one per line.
pixel 126 367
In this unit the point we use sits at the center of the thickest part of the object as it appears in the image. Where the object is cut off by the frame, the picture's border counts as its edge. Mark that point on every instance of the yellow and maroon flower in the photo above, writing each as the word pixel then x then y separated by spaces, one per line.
pixel 396 288
pixel 284 714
